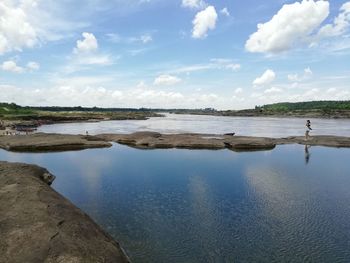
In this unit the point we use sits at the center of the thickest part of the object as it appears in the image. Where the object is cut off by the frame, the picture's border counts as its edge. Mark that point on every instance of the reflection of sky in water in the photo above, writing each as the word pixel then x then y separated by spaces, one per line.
pixel 250 126
pixel 212 206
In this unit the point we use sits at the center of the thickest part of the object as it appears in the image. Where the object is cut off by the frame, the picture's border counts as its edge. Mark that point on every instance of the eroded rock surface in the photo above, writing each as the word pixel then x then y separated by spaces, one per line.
pixel 39 225
pixel 43 142
pixel 153 140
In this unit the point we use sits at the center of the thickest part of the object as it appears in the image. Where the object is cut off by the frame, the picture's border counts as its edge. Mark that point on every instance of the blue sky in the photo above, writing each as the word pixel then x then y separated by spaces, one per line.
pixel 173 53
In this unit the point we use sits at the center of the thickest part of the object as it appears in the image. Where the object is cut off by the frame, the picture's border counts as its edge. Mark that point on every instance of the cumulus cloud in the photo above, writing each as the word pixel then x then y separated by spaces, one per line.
pixel 88 44
pixel 86 53
pixel 204 21
pixel 16 32
pixel 340 24
pixel 195 4
pixel 166 80
pixel 11 66
pixel 265 79
pixel 68 95
pixel 30 23
pixel 293 24
pixel 225 11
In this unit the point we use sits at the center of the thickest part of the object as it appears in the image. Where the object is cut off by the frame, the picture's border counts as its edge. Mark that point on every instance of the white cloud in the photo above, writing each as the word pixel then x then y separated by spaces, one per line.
pixel 205 20
pixel 293 24
pixel 296 78
pixel 30 23
pixel 68 95
pixel 96 59
pixel 272 90
pixel 331 90
pixel 11 66
pixel 86 53
pixel 116 38
pixel 195 4
pixel 233 67
pixel 225 11
pixel 32 66
pixel 223 63
pixel 16 32
pixel 166 80
pixel 265 79
pixel 146 38
pixel 88 44
pixel 340 24
pixel 215 63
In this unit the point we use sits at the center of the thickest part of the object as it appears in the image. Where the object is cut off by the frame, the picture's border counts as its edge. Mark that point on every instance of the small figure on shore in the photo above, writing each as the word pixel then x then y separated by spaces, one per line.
pixel 308 125
pixel 87 133
pixel 308 129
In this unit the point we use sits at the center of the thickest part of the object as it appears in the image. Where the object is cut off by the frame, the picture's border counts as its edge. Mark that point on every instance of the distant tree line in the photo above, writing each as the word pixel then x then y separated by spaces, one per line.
pixel 16 108
pixel 310 105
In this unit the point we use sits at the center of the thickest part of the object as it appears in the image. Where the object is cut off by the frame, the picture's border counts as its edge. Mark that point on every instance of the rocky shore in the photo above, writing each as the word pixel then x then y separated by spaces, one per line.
pixel 153 140
pixel 43 142
pixel 39 225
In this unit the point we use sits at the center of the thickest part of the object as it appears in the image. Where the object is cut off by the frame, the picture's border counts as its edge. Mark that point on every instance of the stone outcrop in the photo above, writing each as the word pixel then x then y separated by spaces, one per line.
pixel 153 140
pixel 45 142
pixel 41 142
pixel 39 225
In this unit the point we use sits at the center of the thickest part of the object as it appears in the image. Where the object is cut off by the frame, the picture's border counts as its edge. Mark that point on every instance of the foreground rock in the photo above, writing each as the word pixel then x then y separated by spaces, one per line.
pixel 39 225
pixel 42 142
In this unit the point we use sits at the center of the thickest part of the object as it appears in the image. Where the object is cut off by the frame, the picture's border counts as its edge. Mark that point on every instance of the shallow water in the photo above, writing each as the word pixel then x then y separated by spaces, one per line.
pixel 174 123
pixel 285 205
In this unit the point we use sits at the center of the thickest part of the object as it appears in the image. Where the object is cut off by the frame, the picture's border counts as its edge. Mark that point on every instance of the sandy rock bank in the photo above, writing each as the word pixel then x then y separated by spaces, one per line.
pixel 39 225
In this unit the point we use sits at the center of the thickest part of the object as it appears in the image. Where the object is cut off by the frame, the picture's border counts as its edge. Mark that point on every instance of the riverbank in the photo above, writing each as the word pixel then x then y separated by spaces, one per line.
pixel 45 142
pixel 40 225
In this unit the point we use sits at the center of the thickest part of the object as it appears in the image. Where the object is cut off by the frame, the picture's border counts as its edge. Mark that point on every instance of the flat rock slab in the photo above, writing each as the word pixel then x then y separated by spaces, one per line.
pixel 39 225
pixel 41 142
pixel 319 140
pixel 45 142
pixel 154 140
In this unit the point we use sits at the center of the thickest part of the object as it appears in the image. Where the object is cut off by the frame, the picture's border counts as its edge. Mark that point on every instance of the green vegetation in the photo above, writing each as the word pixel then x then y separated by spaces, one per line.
pixel 312 109
pixel 311 105
pixel 8 109
pixel 14 114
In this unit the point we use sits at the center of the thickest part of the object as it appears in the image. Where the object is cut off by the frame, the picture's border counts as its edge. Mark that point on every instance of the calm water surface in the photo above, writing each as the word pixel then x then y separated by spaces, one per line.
pixel 285 205
pixel 174 123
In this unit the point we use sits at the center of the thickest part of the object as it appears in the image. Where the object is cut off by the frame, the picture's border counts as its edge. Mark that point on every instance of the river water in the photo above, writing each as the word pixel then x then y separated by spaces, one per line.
pixel 174 123
pixel 290 204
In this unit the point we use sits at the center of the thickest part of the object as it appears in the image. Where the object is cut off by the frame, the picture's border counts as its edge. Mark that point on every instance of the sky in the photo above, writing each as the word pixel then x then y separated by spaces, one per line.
pixel 223 54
